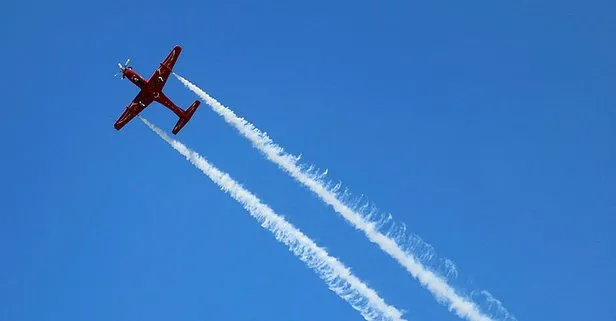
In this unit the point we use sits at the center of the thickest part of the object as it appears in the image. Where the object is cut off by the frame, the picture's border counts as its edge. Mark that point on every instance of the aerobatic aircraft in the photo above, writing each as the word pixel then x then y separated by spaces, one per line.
pixel 151 90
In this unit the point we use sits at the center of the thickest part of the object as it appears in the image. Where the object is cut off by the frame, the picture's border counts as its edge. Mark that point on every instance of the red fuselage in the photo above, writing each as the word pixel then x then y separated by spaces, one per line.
pixel 149 90
pixel 152 89
pixel 135 78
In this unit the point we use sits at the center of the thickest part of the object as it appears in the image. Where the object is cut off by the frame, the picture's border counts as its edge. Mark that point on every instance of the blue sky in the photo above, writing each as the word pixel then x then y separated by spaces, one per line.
pixel 486 127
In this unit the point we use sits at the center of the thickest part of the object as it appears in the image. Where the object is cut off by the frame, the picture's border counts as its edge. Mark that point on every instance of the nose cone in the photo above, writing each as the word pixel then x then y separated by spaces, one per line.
pixel 126 72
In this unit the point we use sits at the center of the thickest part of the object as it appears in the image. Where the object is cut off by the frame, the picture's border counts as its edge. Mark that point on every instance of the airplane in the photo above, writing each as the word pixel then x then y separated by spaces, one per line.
pixel 151 90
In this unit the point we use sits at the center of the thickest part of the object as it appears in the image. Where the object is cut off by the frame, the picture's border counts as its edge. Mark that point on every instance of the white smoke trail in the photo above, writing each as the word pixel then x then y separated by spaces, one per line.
pixel 436 284
pixel 337 276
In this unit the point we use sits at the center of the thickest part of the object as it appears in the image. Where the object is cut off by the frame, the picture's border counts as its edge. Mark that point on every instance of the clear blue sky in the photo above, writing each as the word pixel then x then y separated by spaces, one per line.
pixel 487 127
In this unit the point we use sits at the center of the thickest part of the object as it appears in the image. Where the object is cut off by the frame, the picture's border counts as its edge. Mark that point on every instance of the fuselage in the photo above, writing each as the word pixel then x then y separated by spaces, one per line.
pixel 148 88
pixel 152 90
pixel 135 78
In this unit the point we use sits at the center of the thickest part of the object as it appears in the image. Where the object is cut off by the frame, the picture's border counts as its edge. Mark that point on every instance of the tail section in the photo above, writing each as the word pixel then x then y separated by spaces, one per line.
pixel 183 120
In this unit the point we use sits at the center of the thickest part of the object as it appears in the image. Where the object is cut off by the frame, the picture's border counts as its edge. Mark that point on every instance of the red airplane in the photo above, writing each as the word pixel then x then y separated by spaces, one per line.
pixel 151 90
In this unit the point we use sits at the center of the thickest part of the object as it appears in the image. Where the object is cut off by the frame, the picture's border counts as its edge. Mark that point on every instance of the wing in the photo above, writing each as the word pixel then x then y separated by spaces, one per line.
pixel 160 76
pixel 132 110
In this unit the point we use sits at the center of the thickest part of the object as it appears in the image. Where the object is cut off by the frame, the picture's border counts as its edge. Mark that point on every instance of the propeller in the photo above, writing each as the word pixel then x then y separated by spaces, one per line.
pixel 122 68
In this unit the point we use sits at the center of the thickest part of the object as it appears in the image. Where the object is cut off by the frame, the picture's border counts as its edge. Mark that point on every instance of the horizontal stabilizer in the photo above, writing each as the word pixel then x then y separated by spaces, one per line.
pixel 184 120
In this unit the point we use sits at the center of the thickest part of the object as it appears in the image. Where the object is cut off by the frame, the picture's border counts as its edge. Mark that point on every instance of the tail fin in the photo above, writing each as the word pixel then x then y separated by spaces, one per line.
pixel 183 120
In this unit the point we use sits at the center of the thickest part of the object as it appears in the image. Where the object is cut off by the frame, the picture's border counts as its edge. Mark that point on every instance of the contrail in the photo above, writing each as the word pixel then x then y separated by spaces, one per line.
pixel 337 276
pixel 464 307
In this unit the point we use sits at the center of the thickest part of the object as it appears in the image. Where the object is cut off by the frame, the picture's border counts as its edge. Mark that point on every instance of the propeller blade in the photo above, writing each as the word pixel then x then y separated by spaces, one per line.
pixel 122 68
